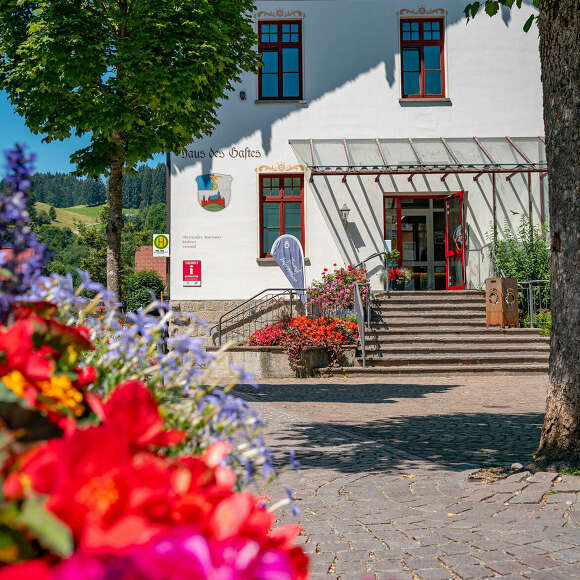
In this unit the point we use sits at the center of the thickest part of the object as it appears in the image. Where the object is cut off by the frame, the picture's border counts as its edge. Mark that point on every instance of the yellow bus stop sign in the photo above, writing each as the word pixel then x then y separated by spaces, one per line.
pixel 160 245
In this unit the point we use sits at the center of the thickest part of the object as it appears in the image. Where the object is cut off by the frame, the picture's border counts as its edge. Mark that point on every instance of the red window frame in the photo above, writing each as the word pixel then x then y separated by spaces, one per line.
pixel 277 47
pixel 282 200
pixel 420 45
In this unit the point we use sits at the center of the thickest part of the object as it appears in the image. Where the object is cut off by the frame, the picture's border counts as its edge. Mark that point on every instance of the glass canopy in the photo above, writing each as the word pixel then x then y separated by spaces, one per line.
pixel 433 155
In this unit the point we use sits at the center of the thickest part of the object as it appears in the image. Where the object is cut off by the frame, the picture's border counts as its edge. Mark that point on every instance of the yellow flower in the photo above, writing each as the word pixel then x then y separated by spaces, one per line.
pixel 15 381
pixel 61 389
pixel 9 554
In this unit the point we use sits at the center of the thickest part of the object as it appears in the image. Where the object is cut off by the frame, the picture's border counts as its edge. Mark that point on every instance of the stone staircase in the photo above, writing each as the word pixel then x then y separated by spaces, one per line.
pixel 444 332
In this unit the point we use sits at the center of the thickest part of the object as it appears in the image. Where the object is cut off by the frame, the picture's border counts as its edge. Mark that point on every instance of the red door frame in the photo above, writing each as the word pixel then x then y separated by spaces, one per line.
pixel 458 251
pixel 399 228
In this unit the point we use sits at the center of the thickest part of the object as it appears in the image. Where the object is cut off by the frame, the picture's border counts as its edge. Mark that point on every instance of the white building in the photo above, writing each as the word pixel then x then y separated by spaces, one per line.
pixel 427 129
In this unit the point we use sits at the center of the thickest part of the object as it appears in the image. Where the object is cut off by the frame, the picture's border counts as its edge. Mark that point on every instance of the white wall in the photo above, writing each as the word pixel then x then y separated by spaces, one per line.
pixel 352 90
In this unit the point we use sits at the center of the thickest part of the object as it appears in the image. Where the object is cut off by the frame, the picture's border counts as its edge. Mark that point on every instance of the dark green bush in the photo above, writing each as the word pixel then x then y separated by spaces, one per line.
pixel 139 289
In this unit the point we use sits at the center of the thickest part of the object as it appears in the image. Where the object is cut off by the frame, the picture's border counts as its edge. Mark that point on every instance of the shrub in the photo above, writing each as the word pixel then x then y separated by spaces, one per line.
pixel 335 292
pixel 543 321
pixel 523 254
pixel 140 288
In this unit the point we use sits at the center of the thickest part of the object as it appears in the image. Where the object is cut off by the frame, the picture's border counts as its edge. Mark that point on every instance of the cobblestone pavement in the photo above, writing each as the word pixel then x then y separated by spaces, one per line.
pixel 391 481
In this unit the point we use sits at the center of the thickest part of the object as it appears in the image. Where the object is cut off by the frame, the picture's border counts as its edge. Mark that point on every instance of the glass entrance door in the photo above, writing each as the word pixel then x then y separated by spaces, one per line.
pixel 416 227
pixel 454 242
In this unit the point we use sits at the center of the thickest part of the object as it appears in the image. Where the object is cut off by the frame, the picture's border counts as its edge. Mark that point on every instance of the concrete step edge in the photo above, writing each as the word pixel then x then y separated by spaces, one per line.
pixel 443 369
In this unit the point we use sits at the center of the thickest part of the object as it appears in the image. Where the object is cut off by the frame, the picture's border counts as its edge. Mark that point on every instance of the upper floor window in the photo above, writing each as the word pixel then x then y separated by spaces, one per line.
pixel 422 60
pixel 280 43
pixel 281 208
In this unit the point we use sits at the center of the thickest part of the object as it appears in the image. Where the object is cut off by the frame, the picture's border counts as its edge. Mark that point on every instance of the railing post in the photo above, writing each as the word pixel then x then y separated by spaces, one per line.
pixel 530 305
pixel 386 279
pixel 533 295
pixel 291 299
pixel 360 315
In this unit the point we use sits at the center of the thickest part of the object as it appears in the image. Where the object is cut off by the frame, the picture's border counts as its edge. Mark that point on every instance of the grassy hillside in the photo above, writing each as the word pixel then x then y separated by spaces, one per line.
pixel 66 217
pixel 91 212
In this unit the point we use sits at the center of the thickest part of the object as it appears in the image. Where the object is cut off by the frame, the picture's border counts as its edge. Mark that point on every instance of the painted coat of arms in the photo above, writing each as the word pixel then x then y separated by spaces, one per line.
pixel 214 191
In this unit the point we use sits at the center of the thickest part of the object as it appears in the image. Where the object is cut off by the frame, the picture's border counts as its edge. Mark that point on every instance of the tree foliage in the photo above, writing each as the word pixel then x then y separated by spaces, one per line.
pixel 154 72
pixel 144 187
pixel 138 77
pixel 64 190
pixel 491 8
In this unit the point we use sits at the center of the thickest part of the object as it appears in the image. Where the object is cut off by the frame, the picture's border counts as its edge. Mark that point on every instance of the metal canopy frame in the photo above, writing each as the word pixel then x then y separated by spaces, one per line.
pixel 513 158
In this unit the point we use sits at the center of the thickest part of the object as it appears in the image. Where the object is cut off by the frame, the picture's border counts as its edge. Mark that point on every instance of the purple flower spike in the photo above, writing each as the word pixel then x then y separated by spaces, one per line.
pixel 21 254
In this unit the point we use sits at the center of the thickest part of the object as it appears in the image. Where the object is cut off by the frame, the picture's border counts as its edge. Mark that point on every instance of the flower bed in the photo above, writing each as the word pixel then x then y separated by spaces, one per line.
pixel 298 334
pixel 335 291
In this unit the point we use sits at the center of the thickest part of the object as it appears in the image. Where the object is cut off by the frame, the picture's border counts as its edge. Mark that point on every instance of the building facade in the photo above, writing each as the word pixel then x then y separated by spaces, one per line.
pixel 428 130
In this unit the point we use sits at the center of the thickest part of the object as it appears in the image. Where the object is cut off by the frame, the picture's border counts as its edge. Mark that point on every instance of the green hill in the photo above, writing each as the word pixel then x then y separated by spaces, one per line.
pixel 66 217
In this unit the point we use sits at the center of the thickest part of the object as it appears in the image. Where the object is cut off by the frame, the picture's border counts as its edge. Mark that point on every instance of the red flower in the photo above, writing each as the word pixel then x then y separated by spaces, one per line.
pixel 18 352
pixel 86 376
pixel 131 411
pixel 37 569
pixel 41 308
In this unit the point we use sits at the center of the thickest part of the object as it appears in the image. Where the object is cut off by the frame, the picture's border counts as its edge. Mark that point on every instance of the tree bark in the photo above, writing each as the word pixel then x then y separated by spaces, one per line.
pixel 559 34
pixel 115 222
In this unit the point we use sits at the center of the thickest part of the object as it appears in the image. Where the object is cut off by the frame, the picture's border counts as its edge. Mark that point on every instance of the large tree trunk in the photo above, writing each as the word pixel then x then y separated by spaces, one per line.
pixel 559 34
pixel 115 223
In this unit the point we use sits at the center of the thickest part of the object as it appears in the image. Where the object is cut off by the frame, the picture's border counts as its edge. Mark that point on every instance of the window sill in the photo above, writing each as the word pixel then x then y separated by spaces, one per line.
pixel 281 102
pixel 425 100
pixel 269 261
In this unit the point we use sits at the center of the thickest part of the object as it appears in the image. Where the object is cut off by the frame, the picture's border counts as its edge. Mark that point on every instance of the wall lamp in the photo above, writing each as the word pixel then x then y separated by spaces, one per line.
pixel 344 211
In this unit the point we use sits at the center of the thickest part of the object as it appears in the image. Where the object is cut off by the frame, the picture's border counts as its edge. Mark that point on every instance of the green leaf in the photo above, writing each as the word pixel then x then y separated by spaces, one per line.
pixel 8 396
pixel 51 532
pixel 491 7
pixel 528 23
pixel 471 10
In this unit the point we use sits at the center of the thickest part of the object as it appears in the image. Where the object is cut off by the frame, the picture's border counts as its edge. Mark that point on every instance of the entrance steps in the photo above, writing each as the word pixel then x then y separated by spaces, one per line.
pixel 444 333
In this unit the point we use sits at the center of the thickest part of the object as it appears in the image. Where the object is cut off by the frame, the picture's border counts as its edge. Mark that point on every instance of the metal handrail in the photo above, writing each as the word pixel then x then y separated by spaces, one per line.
pixel 528 287
pixel 222 318
pixel 375 255
pixel 360 319
pixel 385 256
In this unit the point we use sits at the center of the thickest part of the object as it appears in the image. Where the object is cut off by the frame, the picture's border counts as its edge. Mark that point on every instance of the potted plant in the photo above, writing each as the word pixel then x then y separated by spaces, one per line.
pixel 398 277
pixel 393 258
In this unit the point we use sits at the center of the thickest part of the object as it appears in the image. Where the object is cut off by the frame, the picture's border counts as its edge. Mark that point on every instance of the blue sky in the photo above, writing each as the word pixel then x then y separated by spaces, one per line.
pixel 50 157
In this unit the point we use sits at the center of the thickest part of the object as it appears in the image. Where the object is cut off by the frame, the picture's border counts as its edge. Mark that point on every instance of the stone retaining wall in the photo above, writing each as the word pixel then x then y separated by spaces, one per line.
pixel 271 362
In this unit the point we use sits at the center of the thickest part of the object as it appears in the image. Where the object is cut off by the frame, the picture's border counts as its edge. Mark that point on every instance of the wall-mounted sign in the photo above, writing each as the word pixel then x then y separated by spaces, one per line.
pixel 232 153
pixel 214 191
pixel 160 245
pixel 192 272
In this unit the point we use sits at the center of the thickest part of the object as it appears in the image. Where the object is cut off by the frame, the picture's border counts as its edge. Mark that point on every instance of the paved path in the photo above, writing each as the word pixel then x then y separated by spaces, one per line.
pixel 392 485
